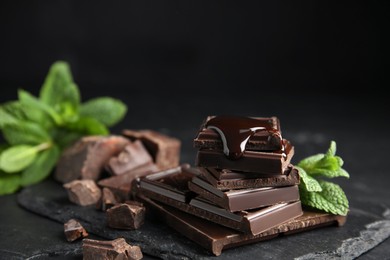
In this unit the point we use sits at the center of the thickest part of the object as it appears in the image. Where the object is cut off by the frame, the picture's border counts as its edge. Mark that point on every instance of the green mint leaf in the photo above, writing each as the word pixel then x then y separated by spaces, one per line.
pixel 88 126
pixel 25 133
pixel 59 91
pixel 15 109
pixel 332 149
pixel 6 118
pixel 41 168
pixel 65 137
pixel 331 199
pixel 17 158
pixel 9 183
pixel 310 162
pixel 307 181
pixel 31 102
pixel 106 110
pixel 340 172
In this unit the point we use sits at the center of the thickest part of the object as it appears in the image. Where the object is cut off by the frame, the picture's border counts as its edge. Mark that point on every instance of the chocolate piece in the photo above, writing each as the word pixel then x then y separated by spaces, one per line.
pixel 107 200
pixel 164 149
pixel 121 185
pixel 272 163
pixel 229 180
pixel 83 192
pixel 74 230
pixel 87 157
pixel 129 215
pixel 170 187
pixel 110 250
pixel 268 140
pixel 236 200
pixel 216 238
pixel 133 156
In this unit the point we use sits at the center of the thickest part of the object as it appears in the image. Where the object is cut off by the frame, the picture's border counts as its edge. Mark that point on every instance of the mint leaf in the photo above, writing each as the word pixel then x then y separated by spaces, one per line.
pixel 6 118
pixel 310 162
pixel 60 92
pixel 25 133
pixel 41 167
pixel 106 110
pixel 87 126
pixel 9 183
pixel 332 149
pixel 16 158
pixel 331 199
pixel 340 172
pixel 307 181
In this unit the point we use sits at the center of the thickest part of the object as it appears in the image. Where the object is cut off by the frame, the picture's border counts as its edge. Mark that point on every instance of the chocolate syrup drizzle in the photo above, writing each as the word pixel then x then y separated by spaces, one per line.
pixel 235 132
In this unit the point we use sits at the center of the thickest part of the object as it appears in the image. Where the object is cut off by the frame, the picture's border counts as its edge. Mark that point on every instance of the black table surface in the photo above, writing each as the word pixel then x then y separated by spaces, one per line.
pixel 360 132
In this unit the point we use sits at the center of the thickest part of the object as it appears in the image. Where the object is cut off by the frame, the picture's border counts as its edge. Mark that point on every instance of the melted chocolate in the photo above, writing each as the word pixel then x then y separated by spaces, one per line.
pixel 235 132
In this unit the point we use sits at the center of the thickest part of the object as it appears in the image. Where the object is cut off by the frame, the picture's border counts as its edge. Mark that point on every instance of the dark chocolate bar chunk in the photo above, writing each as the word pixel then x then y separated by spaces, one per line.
pixel 170 187
pixel 216 238
pixel 110 250
pixel 107 200
pixel 129 215
pixel 74 230
pixel 164 149
pixel 268 140
pixel 121 185
pixel 230 180
pixel 87 157
pixel 272 163
pixel 134 155
pixel 83 192
pixel 244 199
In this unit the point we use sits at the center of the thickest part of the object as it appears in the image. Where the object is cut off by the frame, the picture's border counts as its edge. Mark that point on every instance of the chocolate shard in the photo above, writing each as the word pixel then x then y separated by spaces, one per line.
pixel 110 250
pixel 164 149
pixel 121 185
pixel 260 141
pixel 83 192
pixel 216 238
pixel 86 158
pixel 133 156
pixel 272 163
pixel 74 230
pixel 108 200
pixel 244 199
pixel 129 215
pixel 229 180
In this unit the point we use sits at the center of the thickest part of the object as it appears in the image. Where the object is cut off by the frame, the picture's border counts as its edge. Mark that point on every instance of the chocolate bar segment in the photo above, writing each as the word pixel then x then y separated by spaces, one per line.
pixel 271 163
pixel 237 200
pixel 268 140
pixel 216 238
pixel 229 180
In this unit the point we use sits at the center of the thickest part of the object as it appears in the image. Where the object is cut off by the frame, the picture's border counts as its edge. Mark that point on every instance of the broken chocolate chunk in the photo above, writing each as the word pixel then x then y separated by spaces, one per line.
pixel 133 156
pixel 74 230
pixel 107 200
pixel 86 158
pixel 164 149
pixel 83 192
pixel 110 250
pixel 129 215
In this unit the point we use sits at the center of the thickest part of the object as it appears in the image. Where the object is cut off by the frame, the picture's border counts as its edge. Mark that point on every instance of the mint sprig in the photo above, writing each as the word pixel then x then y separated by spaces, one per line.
pixel 318 193
pixel 37 129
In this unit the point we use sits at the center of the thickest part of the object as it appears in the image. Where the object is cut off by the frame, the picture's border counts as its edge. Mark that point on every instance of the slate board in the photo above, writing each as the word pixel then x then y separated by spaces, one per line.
pixel 49 199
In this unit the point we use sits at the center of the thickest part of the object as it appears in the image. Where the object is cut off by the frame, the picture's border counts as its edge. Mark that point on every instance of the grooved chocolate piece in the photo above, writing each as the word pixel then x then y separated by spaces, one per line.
pixel 87 157
pixel 236 200
pixel 272 163
pixel 134 155
pixel 107 200
pixel 83 192
pixel 216 238
pixel 110 250
pixel 170 187
pixel 74 230
pixel 121 185
pixel 229 180
pixel 260 141
pixel 129 215
pixel 164 149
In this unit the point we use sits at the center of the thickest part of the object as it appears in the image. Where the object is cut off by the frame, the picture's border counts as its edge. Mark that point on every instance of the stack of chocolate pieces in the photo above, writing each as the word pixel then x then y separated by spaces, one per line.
pixel 243 188
pixel 246 168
